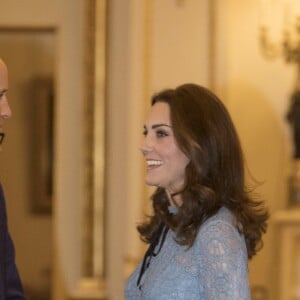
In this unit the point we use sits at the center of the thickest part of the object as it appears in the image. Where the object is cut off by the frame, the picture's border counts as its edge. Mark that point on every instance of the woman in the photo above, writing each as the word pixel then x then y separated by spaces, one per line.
pixel 205 226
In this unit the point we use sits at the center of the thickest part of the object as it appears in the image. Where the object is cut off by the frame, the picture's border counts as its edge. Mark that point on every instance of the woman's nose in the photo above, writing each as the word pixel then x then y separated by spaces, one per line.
pixel 146 145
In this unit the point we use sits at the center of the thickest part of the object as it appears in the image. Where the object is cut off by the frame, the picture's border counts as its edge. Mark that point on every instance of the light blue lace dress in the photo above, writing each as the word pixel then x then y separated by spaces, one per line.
pixel 215 268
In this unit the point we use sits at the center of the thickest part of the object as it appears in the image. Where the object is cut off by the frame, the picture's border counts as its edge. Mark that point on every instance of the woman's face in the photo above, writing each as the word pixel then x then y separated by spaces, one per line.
pixel 166 163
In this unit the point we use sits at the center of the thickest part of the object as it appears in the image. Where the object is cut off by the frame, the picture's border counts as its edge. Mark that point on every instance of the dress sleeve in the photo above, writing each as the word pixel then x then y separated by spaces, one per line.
pixel 223 262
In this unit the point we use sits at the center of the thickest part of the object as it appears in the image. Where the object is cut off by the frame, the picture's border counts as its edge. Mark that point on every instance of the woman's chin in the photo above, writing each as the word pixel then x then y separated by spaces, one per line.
pixel 152 183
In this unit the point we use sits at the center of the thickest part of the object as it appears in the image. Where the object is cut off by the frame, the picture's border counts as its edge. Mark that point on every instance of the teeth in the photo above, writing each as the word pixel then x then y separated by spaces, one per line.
pixel 154 162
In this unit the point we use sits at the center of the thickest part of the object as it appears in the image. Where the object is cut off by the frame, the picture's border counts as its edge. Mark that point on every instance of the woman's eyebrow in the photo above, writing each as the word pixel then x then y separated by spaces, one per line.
pixel 158 125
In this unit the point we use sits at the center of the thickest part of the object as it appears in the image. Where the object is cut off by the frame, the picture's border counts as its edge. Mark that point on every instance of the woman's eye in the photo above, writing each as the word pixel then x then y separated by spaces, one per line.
pixel 161 133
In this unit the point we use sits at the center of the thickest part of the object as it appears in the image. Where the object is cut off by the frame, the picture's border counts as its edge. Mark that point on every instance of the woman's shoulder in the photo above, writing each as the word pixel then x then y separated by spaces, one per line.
pixel 223 215
pixel 220 228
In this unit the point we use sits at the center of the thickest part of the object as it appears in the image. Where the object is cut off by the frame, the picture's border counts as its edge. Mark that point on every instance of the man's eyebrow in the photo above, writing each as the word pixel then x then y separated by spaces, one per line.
pixel 3 91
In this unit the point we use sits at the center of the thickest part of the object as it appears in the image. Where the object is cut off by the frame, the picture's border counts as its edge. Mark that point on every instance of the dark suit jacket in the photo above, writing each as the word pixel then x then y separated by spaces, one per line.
pixel 10 283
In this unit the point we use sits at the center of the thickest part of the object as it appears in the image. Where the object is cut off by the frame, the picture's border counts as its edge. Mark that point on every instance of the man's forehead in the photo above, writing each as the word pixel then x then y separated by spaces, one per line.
pixel 3 76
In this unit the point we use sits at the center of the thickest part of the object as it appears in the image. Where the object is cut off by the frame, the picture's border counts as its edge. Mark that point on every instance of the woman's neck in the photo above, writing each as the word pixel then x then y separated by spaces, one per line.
pixel 174 199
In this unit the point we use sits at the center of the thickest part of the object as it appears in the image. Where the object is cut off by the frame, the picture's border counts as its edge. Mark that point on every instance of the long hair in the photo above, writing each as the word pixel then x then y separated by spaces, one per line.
pixel 214 177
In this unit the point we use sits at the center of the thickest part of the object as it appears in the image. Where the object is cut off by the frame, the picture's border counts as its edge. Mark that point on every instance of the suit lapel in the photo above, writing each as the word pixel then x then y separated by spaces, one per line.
pixel 2 243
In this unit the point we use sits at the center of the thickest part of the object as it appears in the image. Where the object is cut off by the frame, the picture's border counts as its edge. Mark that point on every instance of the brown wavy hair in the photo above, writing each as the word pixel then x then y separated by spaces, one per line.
pixel 214 177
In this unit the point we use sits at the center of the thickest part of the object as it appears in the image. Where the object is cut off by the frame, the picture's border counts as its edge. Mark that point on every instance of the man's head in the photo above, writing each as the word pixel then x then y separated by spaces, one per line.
pixel 5 111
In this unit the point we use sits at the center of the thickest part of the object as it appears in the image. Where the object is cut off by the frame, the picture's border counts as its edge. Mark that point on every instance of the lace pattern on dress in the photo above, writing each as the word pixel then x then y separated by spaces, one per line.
pixel 214 268
pixel 222 260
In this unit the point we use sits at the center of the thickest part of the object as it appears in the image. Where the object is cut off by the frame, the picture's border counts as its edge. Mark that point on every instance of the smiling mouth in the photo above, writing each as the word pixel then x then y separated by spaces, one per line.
pixel 2 136
pixel 152 163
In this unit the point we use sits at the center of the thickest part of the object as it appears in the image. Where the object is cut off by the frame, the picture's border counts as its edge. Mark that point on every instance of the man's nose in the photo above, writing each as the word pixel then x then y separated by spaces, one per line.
pixel 5 111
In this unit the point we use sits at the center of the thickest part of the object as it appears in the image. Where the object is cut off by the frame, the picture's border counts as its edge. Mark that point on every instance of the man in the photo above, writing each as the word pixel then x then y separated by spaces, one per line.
pixel 10 284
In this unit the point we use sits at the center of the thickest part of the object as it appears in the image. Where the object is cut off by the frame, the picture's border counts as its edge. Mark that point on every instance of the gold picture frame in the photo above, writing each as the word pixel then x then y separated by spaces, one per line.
pixel 93 235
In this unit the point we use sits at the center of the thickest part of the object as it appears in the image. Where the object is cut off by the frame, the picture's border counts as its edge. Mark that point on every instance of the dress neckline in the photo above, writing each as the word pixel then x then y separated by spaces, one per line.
pixel 173 209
